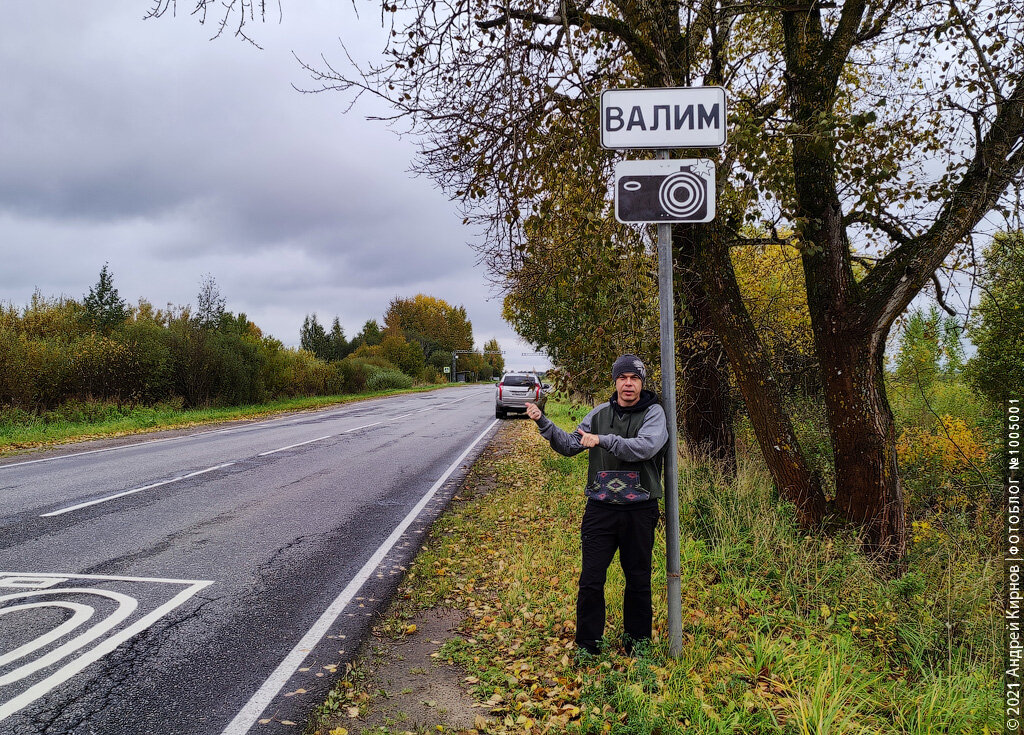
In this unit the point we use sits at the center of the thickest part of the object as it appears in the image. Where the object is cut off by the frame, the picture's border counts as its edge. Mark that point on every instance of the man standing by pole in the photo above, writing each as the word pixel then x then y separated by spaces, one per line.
pixel 626 438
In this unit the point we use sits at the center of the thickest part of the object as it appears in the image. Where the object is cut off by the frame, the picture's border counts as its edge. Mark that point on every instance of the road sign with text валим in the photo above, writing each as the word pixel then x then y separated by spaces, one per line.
pixel 663 117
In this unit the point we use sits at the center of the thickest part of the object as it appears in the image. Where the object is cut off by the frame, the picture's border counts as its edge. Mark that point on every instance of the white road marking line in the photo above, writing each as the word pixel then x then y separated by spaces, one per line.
pixel 105 577
pixel 259 701
pixel 292 446
pixel 70 669
pixel 247 427
pixel 136 490
pixel 364 426
pixel 107 449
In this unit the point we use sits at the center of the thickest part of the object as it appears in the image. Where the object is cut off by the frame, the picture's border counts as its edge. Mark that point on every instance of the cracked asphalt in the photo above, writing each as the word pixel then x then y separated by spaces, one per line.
pixel 156 584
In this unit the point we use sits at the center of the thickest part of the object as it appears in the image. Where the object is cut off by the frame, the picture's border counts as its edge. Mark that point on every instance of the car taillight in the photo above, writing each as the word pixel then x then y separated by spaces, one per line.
pixel 500 385
pixel 538 392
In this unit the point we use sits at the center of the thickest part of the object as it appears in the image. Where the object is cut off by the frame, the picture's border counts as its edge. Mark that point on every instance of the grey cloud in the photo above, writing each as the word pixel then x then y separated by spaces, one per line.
pixel 145 145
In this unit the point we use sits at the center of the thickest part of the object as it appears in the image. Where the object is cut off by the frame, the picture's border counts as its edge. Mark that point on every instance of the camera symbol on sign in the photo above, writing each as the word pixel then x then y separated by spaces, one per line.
pixel 682 195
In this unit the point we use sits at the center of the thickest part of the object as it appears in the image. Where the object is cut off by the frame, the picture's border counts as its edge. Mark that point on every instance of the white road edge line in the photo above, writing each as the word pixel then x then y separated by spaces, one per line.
pixel 259 701
pixel 292 446
pixel 62 511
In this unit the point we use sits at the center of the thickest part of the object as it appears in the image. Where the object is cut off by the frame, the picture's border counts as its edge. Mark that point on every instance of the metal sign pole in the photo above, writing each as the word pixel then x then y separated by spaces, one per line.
pixel 668 399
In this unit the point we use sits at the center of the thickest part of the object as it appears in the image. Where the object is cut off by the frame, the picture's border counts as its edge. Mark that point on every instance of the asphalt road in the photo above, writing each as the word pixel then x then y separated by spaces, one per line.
pixel 210 582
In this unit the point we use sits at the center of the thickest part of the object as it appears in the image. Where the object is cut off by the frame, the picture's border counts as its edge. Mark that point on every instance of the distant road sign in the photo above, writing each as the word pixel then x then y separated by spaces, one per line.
pixel 680 190
pixel 663 117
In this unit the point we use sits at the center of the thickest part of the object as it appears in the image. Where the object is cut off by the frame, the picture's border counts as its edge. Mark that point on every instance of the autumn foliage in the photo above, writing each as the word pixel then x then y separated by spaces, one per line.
pixel 56 351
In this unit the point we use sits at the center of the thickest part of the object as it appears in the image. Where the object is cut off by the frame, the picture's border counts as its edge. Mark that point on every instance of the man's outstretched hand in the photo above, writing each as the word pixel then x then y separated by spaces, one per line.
pixel 589 441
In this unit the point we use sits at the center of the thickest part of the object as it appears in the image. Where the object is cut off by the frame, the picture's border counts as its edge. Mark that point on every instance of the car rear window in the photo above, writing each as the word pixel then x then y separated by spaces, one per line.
pixel 518 380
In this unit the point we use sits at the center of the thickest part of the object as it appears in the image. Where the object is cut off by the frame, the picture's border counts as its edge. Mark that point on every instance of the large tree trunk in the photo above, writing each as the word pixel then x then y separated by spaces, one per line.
pixel 868 488
pixel 793 478
pixel 704 411
pixel 850 344
pixel 849 332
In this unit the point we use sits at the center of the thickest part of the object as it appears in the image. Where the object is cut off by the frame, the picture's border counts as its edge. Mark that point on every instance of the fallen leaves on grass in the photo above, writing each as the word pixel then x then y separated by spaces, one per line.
pixel 509 560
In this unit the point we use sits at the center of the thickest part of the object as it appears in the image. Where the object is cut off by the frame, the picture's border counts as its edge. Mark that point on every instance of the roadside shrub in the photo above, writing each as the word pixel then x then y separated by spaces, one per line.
pixel 14 416
pixel 53 318
pixel 80 412
pixel 430 375
pixel 945 467
pixel 388 380
pixel 354 373
pixel 236 371
pixel 53 369
pixel 105 368
pixel 150 379
pixel 276 367
pixel 380 362
pixel 311 376
pixel 407 356
pixel 357 370
pixel 16 381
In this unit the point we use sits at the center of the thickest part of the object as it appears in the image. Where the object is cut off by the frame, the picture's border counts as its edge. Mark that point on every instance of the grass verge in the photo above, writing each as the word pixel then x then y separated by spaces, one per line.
pixel 783 632
pixel 79 421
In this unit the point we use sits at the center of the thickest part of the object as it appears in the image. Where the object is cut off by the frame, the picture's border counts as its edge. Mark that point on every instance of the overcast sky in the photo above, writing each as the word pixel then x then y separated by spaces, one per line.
pixel 146 145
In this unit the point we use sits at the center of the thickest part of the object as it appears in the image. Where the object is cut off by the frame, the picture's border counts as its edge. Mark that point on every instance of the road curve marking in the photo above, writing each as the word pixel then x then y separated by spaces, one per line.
pixel 262 698
pixel 79 615
pixel 105 635
pixel 126 606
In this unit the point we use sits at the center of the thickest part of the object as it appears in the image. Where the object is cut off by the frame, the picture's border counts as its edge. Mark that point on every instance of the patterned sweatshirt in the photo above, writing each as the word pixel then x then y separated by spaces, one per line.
pixel 631 437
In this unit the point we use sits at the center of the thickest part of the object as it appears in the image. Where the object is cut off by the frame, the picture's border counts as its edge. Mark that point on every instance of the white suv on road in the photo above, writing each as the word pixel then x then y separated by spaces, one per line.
pixel 514 390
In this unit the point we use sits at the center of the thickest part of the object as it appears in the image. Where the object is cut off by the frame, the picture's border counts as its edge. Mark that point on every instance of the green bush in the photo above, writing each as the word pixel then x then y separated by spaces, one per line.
pixel 236 370
pixel 53 369
pixel 311 376
pixel 148 375
pixel 431 375
pixel 357 370
pixel 17 387
pixel 388 380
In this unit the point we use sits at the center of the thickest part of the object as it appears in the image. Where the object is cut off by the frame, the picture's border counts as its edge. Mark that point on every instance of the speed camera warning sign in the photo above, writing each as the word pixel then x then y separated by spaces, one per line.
pixel 681 190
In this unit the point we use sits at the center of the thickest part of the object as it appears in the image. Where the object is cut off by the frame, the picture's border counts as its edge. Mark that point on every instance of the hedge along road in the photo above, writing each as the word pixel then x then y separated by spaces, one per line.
pixel 212 582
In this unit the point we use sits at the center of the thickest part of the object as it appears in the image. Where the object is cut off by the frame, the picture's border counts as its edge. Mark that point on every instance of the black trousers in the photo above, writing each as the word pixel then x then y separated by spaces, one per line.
pixel 631 532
